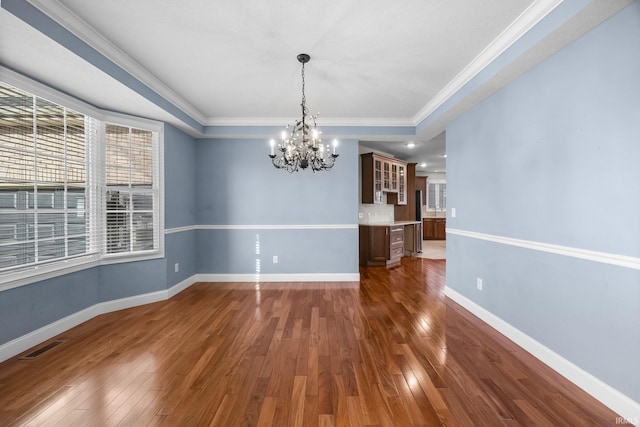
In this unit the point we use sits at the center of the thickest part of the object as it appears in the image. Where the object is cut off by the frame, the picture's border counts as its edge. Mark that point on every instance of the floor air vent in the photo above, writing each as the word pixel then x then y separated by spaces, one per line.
pixel 42 350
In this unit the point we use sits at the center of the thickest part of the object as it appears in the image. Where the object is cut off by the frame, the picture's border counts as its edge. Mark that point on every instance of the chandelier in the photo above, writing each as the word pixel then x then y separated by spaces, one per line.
pixel 301 146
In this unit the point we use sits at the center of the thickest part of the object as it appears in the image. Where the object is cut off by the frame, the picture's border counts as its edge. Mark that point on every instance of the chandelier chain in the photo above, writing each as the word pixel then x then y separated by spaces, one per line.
pixel 304 99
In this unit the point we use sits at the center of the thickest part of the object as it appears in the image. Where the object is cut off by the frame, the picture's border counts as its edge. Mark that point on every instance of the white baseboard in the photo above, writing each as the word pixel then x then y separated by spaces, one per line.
pixel 610 397
pixel 319 277
pixel 25 342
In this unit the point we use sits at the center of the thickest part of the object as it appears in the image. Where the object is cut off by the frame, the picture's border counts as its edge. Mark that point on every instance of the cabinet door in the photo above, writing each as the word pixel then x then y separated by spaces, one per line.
pixel 402 184
pixel 377 180
pixel 378 243
pixel 439 231
pixel 394 177
pixel 428 229
pixel 386 175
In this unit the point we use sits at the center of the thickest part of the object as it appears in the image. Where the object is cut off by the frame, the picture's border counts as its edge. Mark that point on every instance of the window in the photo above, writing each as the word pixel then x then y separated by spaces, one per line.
pixel 73 186
pixel 436 196
pixel 130 189
pixel 42 181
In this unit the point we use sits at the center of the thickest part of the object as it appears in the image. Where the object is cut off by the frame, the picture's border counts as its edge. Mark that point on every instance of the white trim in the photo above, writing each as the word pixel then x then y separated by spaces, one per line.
pixel 278 227
pixel 322 122
pixel 25 342
pixel 180 229
pixel 39 273
pixel 260 227
pixel 603 257
pixel 527 20
pixel 294 277
pixel 612 398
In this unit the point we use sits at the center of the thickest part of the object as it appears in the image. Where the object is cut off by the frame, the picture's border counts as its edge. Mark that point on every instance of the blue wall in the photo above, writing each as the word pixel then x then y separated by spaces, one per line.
pixel 180 203
pixel 27 308
pixel 552 158
pixel 238 186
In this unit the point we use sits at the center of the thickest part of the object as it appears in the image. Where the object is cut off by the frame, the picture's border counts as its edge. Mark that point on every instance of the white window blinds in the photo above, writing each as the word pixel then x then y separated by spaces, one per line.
pixel 131 189
pixel 43 188
pixel 73 188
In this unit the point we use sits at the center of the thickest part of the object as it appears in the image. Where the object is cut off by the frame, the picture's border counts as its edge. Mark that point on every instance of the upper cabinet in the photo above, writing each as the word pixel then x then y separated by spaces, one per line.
pixel 380 175
pixel 402 183
pixel 372 178
pixel 387 182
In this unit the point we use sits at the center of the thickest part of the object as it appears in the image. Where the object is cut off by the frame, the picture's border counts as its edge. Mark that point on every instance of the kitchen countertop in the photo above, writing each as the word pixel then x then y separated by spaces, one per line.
pixel 388 224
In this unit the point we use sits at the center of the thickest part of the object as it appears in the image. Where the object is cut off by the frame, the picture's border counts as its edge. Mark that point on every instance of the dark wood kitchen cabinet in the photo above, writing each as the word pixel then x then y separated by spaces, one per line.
pixel 383 175
pixel 434 229
pixel 381 244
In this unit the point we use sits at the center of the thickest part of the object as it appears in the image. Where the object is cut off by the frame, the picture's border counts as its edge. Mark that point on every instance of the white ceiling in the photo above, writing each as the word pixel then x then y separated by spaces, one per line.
pixel 373 62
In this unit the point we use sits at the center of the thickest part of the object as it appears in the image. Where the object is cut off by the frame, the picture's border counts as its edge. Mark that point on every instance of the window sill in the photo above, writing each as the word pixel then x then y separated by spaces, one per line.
pixel 46 272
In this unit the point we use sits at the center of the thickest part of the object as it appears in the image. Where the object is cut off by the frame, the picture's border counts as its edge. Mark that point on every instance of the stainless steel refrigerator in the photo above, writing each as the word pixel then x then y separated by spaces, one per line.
pixel 418 237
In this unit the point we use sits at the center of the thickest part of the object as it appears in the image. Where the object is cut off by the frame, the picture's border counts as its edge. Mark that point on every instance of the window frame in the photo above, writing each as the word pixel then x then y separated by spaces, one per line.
pixel 438 183
pixel 63 266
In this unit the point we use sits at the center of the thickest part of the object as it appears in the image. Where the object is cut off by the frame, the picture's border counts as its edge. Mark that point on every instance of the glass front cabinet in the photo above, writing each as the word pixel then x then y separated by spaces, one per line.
pixel 382 175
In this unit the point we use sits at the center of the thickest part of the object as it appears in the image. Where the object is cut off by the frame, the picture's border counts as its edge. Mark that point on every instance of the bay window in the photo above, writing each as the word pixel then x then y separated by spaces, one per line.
pixel 72 186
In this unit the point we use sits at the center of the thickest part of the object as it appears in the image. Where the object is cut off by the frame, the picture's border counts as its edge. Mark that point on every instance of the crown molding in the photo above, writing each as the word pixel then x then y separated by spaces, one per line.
pixel 527 20
pixel 73 23
pixel 328 122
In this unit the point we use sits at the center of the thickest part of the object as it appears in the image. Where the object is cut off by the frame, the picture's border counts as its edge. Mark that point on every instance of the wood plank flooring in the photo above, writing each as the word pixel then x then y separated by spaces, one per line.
pixel 390 351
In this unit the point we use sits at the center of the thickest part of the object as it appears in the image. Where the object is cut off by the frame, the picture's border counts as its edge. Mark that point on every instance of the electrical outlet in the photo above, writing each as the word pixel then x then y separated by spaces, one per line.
pixel 176 267
pixel 275 259
pixel 453 212
pixel 479 283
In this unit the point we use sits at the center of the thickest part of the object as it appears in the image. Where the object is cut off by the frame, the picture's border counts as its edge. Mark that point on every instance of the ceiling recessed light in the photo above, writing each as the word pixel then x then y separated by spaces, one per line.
pixel 423 165
pixel 411 144
pixel 444 155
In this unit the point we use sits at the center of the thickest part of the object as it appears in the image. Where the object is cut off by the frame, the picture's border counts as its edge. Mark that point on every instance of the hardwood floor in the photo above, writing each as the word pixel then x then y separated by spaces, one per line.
pixel 393 351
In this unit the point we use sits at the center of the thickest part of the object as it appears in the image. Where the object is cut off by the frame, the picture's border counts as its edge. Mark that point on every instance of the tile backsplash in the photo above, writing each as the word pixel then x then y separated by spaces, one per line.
pixel 376 214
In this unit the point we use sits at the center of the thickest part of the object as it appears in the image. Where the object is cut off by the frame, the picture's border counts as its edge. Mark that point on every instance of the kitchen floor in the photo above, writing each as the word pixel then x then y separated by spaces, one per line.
pixel 433 249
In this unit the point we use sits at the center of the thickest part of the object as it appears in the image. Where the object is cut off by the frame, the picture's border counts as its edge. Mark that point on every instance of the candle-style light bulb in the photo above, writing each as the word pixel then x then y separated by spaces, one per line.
pixel 335 144
pixel 273 145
